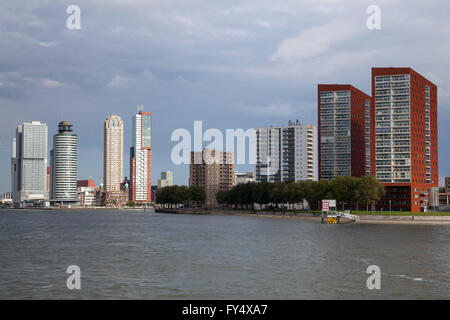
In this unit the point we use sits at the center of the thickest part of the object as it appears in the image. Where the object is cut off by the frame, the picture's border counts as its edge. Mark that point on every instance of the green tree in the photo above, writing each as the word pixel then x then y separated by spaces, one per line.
pixel 262 192
pixel 315 191
pixel 343 189
pixel 368 190
pixel 276 195
pixel 222 197
pixel 197 194
pixel 290 193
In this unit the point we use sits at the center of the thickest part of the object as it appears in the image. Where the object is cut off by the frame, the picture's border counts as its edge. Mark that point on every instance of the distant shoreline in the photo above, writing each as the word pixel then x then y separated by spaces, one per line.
pixel 364 219
pixel 399 220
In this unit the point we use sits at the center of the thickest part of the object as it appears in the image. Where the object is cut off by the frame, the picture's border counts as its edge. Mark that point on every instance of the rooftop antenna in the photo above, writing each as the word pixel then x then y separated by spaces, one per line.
pixel 140 108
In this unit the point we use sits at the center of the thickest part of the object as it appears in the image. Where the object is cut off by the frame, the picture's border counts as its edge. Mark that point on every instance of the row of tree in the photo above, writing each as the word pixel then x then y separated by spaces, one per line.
pixel 175 195
pixel 346 190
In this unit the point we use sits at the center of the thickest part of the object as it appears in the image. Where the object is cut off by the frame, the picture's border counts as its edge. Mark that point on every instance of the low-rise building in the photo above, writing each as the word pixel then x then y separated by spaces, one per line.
pixel 87 196
pixel 243 177
pixel 116 198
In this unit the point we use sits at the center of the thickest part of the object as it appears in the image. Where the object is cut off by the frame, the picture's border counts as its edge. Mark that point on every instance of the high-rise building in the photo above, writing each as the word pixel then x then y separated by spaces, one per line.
pixel 113 153
pixel 48 180
pixel 140 158
pixel 213 171
pixel 447 184
pixel 29 164
pixel 166 179
pixel 345 120
pixel 286 153
pixel 63 159
pixel 406 141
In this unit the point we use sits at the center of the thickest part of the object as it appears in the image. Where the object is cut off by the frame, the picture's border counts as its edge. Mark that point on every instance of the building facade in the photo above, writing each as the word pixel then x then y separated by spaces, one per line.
pixel 166 179
pixel 406 147
pixel 29 164
pixel 243 177
pixel 113 153
pixel 140 158
pixel 286 153
pixel 345 120
pixel 447 184
pixel 63 163
pixel 87 196
pixel 213 171
pixel 86 183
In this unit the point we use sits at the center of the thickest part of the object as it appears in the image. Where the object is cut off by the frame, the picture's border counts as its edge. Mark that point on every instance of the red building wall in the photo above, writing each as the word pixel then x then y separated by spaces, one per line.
pixel 86 183
pixel 418 185
pixel 357 126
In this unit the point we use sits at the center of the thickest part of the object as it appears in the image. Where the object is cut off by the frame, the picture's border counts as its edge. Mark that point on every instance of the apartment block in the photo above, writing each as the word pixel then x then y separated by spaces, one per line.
pixel 406 140
pixel 345 120
pixel 113 153
pixel 140 158
pixel 286 153
pixel 213 171
pixel 166 179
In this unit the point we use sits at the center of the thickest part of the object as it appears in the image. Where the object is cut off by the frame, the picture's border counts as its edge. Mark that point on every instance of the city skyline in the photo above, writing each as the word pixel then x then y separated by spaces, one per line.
pixel 246 64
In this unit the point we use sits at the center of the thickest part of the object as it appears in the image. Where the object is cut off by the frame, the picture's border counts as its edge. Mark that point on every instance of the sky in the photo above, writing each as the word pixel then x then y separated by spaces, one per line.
pixel 231 64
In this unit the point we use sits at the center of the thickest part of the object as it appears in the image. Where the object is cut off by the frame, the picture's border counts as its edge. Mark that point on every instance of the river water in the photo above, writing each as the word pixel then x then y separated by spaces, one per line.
pixel 133 254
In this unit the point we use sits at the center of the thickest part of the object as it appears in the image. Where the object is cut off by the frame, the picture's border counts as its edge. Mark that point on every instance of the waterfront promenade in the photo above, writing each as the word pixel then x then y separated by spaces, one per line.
pixel 363 219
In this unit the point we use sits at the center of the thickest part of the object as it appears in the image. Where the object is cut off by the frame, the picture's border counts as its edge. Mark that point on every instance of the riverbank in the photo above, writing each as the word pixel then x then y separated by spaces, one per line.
pixel 363 219
pixel 81 208
pixel 183 211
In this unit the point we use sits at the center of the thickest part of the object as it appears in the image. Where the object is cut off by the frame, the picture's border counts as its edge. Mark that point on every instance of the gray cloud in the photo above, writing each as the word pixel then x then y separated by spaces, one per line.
pixel 232 64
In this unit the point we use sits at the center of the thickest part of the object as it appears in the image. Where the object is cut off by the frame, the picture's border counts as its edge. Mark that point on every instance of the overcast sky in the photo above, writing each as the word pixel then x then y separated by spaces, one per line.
pixel 232 64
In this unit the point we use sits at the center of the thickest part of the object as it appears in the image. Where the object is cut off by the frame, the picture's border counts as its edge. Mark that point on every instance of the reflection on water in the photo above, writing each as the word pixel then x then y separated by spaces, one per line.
pixel 142 255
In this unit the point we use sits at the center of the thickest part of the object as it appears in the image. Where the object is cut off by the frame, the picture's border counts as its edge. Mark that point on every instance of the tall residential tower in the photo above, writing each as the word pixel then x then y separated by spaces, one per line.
pixel 345 119
pixel 113 153
pixel 286 153
pixel 406 138
pixel 140 158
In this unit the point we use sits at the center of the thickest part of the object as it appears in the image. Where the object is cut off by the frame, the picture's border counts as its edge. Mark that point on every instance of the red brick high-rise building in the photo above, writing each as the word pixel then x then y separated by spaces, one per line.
pixel 406 141
pixel 345 131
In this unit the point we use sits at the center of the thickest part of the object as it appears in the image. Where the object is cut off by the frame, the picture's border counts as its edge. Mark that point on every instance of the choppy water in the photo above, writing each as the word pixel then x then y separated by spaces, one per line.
pixel 142 255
